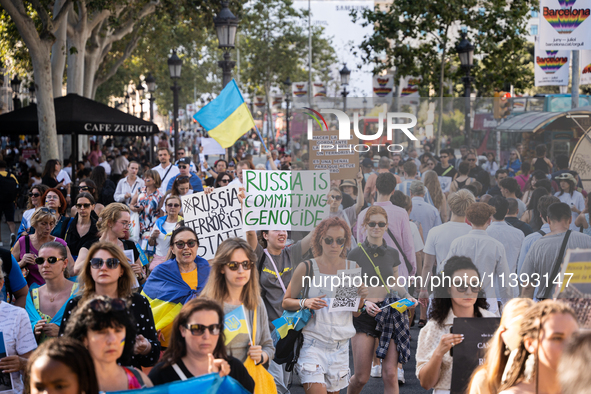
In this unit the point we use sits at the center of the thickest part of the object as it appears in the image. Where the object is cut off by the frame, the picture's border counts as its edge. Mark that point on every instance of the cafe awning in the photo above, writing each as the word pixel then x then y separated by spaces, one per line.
pixel 531 122
pixel 78 115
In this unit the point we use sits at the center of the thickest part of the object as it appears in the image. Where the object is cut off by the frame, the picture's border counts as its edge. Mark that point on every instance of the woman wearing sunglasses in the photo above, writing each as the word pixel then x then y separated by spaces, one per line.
pixel 26 248
pixel 233 284
pixel 380 263
pixel 177 280
pixel 349 215
pixel 323 364
pixel 54 199
pixel 223 179
pixel 160 236
pixel 46 304
pixel 463 298
pixel 113 226
pixel 106 272
pixel 197 347
pixel 105 327
pixel 83 227
pixel 33 203
pixel 86 185
pixel 514 163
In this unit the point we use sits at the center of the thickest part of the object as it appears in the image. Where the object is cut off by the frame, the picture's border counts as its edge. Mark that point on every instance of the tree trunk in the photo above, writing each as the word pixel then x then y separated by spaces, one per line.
pixel 76 51
pixel 58 65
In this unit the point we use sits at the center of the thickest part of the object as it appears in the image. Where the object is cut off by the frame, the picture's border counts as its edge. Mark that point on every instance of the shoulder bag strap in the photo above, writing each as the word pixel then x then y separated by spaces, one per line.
pixel 138 376
pixel 557 265
pixel 541 232
pixel 167 171
pixel 447 170
pixel 179 371
pixel 260 268
pixel 309 273
pixel 408 264
pixel 276 271
pixel 27 244
pixel 377 269
pixel 254 326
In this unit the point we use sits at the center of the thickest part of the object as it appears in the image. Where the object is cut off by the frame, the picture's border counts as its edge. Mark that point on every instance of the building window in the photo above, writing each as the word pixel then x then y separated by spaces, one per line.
pixel 534 13
pixel 534 30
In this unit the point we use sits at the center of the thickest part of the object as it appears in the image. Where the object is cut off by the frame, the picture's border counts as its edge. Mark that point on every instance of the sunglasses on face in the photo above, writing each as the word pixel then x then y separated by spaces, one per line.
pixel 199 329
pixel 34 195
pixel 50 260
pixel 444 156
pixel 380 224
pixel 233 265
pixel 337 197
pixel 190 243
pixel 225 180
pixel 473 289
pixel 84 188
pixel 173 205
pixel 82 205
pixel 182 166
pixel 104 306
pixel 471 159
pixel 330 240
pixel 111 263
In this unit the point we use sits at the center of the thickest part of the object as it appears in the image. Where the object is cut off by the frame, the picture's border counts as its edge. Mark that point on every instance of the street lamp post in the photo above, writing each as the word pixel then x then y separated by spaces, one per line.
pixel 287 84
pixel 174 66
pixel 31 93
pixel 128 102
pixel 226 25
pixel 151 82
pixel 465 51
pixel 15 84
pixel 140 90
pixel 345 75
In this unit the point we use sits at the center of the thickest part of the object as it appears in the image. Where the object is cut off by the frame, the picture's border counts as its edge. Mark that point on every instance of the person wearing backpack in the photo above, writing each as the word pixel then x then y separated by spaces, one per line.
pixel 9 187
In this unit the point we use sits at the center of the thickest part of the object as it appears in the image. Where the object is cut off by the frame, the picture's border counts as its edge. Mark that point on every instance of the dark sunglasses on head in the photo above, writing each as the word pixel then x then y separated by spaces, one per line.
pixel 173 205
pixel 247 265
pixel 463 289
pixel 190 243
pixel 380 224
pixel 34 195
pixel 199 329
pixel 330 240
pixel 82 205
pixel 182 178
pixel 48 210
pixel 50 260
pixel 97 263
pixel 103 306
pixel 337 197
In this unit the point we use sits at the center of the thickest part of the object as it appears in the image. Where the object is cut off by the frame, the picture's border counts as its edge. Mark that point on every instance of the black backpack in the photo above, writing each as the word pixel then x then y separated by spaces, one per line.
pixel 9 188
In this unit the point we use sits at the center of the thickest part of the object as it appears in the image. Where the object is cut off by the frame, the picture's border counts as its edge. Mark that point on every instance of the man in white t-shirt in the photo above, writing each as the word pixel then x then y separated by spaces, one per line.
pixel 441 237
pixel 166 169
pixel 103 163
pixel 64 178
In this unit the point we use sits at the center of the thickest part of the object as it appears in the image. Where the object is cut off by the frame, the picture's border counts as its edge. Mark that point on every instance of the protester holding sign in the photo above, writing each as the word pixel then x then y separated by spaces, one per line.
pixel 160 236
pixel 434 361
pixel 487 378
pixel 544 330
pixel 323 364
pixel 197 347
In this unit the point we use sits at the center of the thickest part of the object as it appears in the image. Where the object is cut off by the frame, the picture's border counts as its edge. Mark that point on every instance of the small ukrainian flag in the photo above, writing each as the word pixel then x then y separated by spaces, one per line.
pixel 235 323
pixel 227 117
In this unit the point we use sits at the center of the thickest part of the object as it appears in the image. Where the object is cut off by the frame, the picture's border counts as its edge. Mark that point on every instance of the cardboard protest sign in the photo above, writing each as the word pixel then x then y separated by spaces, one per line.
pixel 215 217
pixel 285 200
pixel 469 354
pixel 337 156
pixel 445 183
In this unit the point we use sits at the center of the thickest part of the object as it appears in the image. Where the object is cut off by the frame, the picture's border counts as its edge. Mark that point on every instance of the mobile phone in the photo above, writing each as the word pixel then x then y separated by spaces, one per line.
pixel 451 351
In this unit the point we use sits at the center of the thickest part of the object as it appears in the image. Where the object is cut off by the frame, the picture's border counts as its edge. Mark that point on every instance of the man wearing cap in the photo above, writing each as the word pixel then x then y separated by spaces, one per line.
pixel 184 165
pixel 129 185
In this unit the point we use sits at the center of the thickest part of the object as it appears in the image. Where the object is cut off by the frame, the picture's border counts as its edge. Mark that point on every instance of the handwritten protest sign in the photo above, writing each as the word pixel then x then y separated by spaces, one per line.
pixel 337 156
pixel 215 217
pixel 282 200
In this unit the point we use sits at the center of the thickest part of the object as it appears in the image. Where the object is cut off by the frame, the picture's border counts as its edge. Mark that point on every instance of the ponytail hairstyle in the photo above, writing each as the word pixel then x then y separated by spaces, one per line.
pixel 495 359
pixel 531 327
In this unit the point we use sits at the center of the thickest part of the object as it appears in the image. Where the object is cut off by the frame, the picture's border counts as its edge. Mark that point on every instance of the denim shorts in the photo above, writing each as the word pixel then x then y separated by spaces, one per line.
pixel 366 324
pixel 325 363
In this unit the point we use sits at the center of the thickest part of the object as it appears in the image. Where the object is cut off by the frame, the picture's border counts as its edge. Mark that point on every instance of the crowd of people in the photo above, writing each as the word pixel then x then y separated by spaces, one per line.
pixel 103 288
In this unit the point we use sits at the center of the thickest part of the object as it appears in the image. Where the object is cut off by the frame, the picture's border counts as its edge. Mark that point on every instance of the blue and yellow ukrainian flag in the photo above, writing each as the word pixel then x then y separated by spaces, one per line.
pixel 227 117
pixel 235 323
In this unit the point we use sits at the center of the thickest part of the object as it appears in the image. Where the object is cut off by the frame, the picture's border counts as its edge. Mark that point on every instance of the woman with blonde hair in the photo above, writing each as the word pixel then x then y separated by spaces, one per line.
pixel 487 378
pixel 107 272
pixel 439 200
pixel 33 203
pixel 533 364
pixel 113 225
pixel 514 163
pixel 27 247
pixel 234 284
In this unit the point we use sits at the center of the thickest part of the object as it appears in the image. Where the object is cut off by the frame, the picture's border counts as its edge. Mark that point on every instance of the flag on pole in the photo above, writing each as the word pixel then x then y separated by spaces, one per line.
pixel 227 117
